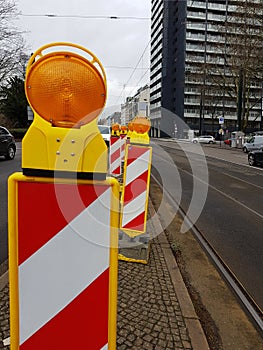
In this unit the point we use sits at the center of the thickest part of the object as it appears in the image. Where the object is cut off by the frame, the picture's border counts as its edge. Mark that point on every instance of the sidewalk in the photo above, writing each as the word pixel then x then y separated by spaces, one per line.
pixel 154 308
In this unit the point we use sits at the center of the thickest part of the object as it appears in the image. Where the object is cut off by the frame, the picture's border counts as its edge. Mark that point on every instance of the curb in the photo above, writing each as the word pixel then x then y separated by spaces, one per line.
pixel 195 330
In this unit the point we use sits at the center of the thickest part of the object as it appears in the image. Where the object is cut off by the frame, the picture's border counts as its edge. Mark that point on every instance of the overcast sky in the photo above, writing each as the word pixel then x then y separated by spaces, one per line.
pixel 116 42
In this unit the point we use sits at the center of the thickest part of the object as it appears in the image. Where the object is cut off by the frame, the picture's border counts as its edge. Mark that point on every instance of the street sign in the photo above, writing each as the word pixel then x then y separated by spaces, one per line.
pixel 221 120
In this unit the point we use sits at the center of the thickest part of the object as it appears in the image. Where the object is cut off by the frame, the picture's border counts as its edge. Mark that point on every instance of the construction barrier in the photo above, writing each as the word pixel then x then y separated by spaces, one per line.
pixel 135 193
pixel 115 155
pixel 63 211
pixel 63 264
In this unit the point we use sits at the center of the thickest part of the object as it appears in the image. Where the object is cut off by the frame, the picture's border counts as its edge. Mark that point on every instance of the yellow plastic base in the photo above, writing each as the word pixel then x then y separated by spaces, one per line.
pixel 49 148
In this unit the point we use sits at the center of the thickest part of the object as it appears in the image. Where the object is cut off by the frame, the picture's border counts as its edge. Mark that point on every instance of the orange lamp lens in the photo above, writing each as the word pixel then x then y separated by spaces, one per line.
pixel 115 127
pixel 130 126
pixel 141 125
pixel 65 89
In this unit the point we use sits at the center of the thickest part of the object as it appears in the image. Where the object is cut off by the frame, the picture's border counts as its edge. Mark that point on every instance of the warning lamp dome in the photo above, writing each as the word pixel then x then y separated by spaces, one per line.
pixel 130 126
pixel 124 128
pixel 66 88
pixel 141 124
pixel 115 127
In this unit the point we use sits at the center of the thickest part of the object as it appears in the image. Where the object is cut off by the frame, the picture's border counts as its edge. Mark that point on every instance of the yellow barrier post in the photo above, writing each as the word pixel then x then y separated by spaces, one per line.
pixel 63 211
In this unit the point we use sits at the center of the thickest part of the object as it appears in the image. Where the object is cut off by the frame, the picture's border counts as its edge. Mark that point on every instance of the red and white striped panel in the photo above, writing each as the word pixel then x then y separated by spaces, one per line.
pixel 115 155
pixel 63 266
pixel 136 188
pixel 123 144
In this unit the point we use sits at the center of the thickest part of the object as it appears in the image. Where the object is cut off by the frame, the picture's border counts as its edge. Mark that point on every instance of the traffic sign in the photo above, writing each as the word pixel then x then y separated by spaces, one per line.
pixel 221 120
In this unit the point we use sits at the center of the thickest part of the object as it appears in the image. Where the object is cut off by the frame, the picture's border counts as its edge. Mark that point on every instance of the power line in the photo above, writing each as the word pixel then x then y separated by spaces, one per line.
pixel 52 15
pixel 138 82
pixel 134 70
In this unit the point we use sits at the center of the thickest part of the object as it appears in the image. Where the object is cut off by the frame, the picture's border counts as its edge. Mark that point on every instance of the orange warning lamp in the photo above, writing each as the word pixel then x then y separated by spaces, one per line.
pixel 124 129
pixel 130 126
pixel 66 89
pixel 140 125
pixel 115 129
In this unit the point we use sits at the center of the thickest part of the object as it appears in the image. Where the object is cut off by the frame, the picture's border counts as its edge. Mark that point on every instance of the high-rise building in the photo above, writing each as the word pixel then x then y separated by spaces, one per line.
pixel 198 73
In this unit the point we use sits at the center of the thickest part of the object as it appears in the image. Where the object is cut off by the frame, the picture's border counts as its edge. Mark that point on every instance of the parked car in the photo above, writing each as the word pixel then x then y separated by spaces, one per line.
pixel 7 144
pixel 255 157
pixel 227 142
pixel 105 131
pixel 254 143
pixel 204 139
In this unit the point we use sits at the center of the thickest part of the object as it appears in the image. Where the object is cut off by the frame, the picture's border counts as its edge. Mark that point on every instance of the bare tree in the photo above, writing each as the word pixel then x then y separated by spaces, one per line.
pixel 12 45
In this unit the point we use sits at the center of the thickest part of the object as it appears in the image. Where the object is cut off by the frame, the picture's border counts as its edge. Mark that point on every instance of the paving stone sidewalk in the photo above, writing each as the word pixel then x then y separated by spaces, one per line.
pixel 149 314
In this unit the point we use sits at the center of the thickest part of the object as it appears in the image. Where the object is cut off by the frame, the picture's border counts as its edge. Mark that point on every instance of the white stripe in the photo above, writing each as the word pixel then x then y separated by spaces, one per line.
pixel 115 146
pixel 134 208
pixel 60 270
pixel 115 165
pixel 138 167
pixel 105 347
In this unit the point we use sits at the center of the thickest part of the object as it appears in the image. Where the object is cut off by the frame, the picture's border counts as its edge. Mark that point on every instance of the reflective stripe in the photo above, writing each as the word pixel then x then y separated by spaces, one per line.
pixel 137 167
pixel 133 209
pixel 115 155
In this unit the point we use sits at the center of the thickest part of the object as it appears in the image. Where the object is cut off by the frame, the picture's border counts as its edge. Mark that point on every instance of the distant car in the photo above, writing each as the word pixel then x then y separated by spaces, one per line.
pixel 254 143
pixel 227 142
pixel 255 157
pixel 105 131
pixel 7 144
pixel 204 139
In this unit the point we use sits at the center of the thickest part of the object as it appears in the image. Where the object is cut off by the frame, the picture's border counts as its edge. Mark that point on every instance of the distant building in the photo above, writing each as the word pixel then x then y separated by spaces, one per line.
pixel 188 54
pixel 137 105
pixel 114 118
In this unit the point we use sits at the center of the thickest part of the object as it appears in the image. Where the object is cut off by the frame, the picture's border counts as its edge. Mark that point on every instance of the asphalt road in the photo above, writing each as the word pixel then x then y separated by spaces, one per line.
pixel 231 215
pixel 7 167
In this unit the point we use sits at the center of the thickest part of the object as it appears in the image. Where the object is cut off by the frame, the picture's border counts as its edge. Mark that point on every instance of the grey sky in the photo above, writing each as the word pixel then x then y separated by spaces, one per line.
pixel 116 42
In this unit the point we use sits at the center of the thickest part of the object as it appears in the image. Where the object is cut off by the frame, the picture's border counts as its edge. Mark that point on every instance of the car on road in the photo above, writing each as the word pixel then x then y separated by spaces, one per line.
pixel 7 144
pixel 105 131
pixel 255 157
pixel 254 143
pixel 204 139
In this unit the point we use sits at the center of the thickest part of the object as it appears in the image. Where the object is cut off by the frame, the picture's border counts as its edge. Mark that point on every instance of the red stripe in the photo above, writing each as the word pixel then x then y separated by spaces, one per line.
pixel 46 208
pixel 114 156
pixel 137 224
pixel 117 170
pixel 134 152
pixel 135 188
pixel 83 324
pixel 114 139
